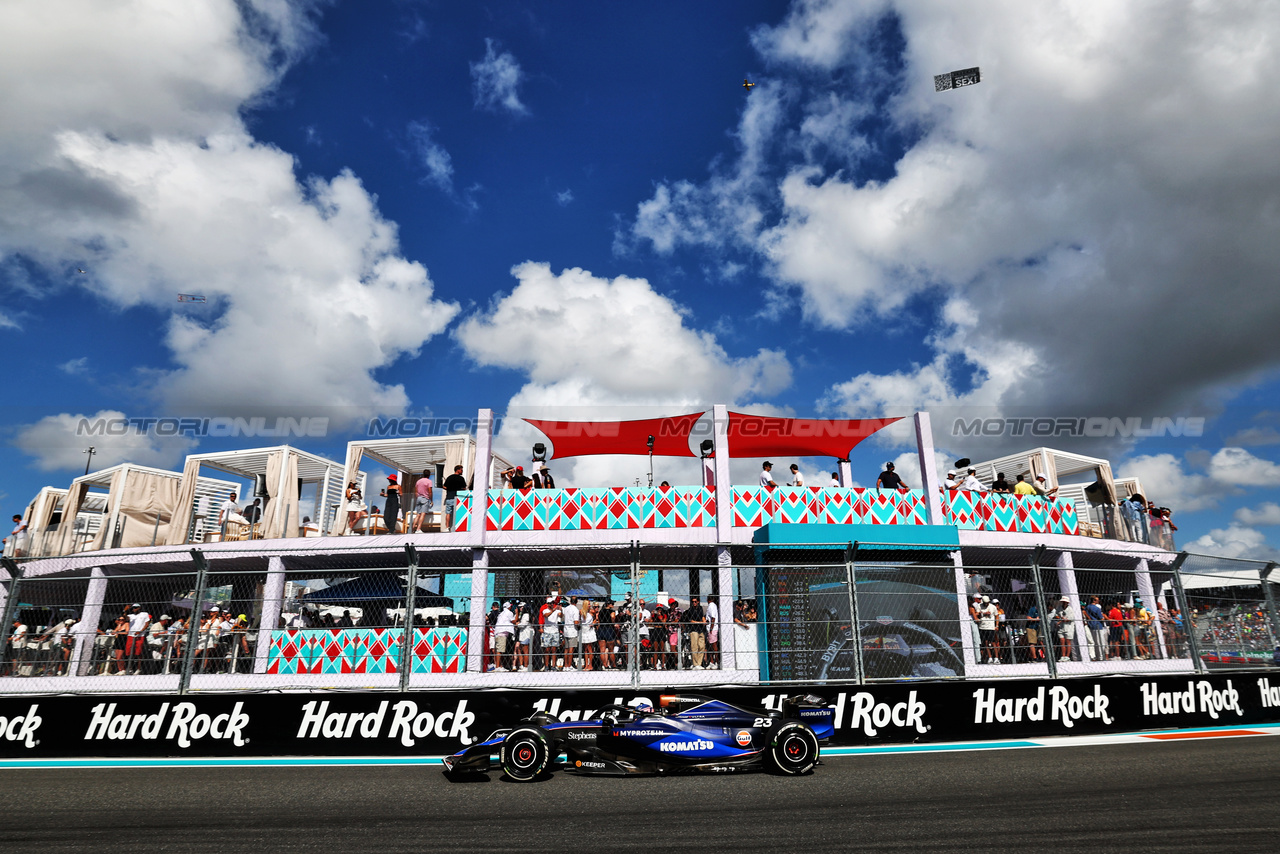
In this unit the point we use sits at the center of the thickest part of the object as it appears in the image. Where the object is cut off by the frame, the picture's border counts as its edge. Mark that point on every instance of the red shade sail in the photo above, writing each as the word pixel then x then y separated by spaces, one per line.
pixel 764 436
pixel 584 438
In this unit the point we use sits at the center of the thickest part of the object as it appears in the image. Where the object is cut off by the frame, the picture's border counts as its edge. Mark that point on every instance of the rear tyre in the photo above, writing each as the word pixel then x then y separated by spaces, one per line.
pixel 524 754
pixel 793 749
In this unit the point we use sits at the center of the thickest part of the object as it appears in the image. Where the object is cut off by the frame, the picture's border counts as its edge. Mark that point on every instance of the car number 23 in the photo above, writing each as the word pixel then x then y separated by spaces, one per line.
pixel 763 722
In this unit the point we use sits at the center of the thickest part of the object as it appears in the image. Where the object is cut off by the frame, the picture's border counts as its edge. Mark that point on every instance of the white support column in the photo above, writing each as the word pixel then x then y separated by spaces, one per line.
pixel 846 473
pixel 479 593
pixel 1145 590
pixel 928 472
pixel 480 476
pixel 1067 584
pixel 272 602
pixel 724 609
pixel 724 485
pixel 90 616
pixel 968 628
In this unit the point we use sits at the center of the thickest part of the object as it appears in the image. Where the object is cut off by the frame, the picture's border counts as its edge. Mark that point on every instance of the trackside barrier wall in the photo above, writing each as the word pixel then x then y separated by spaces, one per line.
pixel 443 722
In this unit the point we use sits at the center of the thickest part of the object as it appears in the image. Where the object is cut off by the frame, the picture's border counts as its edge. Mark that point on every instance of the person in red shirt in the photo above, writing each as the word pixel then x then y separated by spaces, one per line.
pixel 1115 622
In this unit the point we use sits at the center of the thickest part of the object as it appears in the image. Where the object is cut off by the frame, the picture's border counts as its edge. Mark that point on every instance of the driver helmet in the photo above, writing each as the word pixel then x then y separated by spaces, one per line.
pixel 643 708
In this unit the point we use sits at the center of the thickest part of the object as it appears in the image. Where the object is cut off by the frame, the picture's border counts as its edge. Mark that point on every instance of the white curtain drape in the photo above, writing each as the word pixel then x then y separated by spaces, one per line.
pixel 186 504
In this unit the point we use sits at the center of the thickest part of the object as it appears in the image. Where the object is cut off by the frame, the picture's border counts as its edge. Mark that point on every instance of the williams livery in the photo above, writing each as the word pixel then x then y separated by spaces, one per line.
pixel 686 733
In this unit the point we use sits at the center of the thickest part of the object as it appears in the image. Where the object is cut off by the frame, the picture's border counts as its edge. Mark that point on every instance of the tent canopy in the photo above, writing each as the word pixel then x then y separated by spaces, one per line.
pixel 586 438
pixel 764 436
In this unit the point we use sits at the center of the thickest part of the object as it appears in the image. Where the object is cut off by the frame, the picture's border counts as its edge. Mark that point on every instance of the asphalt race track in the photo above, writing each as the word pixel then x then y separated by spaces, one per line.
pixel 1203 795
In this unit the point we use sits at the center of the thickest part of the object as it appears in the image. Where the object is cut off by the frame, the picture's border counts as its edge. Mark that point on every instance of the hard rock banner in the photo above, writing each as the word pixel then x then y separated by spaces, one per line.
pixel 434 723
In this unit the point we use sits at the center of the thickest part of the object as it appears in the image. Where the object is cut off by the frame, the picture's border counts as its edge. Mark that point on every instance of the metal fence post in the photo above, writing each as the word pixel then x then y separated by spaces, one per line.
pixel 1045 626
pixel 193 621
pixel 634 652
pixel 1188 624
pixel 855 630
pixel 410 601
pixel 1273 621
pixel 10 606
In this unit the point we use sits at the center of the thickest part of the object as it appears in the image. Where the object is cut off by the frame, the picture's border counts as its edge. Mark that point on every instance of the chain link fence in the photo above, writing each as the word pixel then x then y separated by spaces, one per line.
pixel 380 618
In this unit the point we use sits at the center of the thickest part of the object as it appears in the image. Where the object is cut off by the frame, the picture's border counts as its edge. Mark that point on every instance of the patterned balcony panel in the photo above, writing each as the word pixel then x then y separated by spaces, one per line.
pixel 755 506
pixel 462 513
pixel 1028 514
pixel 300 652
pixel 600 509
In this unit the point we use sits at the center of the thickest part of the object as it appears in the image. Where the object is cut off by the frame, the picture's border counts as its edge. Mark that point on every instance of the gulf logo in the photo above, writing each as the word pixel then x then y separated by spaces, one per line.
pixel 743 738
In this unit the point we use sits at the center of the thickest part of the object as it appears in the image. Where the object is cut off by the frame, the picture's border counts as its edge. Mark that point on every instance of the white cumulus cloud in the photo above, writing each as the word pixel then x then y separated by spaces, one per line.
pixel 1267 513
pixel 123 148
pixel 496 81
pixel 58 443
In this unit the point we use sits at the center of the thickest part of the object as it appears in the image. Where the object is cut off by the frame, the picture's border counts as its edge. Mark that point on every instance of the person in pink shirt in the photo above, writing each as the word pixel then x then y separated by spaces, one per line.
pixel 423 499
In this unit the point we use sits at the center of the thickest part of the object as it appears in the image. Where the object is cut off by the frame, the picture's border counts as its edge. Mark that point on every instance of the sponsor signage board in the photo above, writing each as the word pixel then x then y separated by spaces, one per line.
pixel 443 722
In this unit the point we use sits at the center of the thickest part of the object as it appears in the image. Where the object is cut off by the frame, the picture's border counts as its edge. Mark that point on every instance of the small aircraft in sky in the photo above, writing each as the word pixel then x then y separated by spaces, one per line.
pixel 191 298
pixel 78 270
pixel 747 84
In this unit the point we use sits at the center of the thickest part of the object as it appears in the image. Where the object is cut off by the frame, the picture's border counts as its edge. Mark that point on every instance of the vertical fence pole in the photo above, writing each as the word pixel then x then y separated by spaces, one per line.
pixel 410 602
pixel 1273 618
pixel 1045 624
pixel 10 605
pixel 634 653
pixel 87 628
pixel 272 605
pixel 193 621
pixel 1188 624
pixel 855 630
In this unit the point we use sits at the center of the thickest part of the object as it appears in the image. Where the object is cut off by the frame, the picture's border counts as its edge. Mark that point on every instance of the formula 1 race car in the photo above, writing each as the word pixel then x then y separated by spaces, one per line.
pixel 688 733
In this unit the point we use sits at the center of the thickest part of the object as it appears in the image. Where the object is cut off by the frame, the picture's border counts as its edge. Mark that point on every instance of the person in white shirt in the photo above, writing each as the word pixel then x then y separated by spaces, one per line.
pixel 713 632
pixel 156 640
pixel 1041 486
pixel 229 511
pixel 797 479
pixel 16 543
pixel 766 476
pixel 503 635
pixel 589 612
pixel 135 647
pixel 952 481
pixel 835 479
pixel 551 637
pixel 988 615
pixel 972 483
pixel 572 620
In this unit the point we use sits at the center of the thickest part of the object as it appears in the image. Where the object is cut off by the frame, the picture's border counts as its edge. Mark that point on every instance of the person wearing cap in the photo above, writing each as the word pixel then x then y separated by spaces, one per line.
pixel 889 479
pixel 988 616
pixel 971 482
pixel 552 637
pixel 207 642
pixel 952 481
pixel 1041 486
pixel 504 630
pixel 391 508
pixel 157 636
pixel 135 646
pixel 516 478
pixel 572 617
pixel 766 476
pixel 1064 621
pixel 1022 487
pixel 542 478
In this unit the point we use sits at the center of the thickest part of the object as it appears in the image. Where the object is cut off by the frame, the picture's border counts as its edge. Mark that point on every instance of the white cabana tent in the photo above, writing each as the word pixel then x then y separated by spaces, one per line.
pixel 411 456
pixel 280 471
pixel 41 516
pixel 138 505
pixel 1094 507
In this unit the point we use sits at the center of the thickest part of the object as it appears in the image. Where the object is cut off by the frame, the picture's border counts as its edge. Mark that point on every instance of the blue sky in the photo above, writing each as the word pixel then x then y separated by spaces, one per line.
pixel 415 207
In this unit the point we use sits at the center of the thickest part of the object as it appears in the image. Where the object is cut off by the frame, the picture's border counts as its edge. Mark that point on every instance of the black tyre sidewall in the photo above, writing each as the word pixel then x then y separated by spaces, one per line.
pixel 787 734
pixel 510 755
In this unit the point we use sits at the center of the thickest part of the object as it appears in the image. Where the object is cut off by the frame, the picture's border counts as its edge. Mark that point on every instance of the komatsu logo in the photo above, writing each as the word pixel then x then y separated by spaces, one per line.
pixel 686 746
pixel 185 725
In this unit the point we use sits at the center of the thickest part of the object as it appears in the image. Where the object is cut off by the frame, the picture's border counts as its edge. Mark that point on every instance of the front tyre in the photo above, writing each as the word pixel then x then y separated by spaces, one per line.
pixel 793 749
pixel 524 754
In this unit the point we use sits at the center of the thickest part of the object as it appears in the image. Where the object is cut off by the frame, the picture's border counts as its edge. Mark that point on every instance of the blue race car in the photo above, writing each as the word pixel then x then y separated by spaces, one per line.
pixel 688 733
